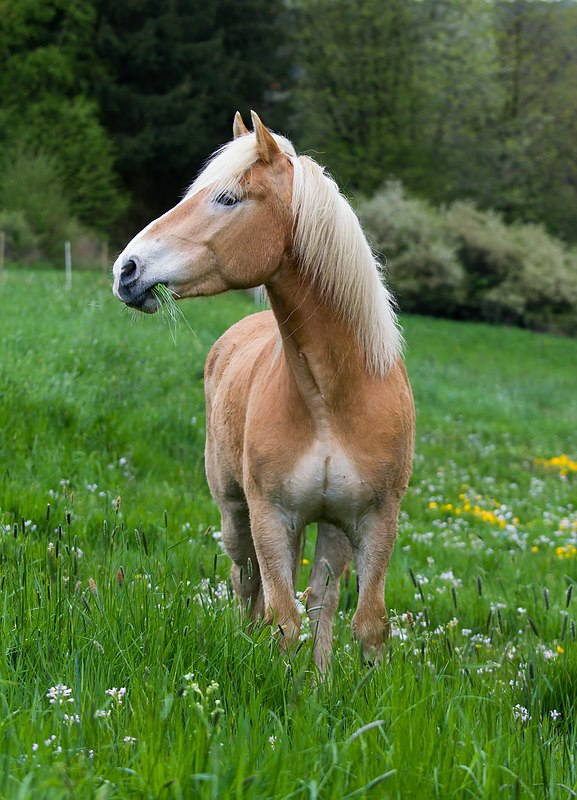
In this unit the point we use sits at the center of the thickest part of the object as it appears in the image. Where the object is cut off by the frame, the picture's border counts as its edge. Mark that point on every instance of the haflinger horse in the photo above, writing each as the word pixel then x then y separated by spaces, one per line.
pixel 309 411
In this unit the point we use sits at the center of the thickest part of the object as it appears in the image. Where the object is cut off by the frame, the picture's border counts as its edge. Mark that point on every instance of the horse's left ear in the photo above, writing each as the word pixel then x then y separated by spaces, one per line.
pixel 238 126
pixel 266 146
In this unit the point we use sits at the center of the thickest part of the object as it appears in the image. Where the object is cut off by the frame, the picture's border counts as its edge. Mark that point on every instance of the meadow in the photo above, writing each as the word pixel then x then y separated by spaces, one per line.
pixel 125 669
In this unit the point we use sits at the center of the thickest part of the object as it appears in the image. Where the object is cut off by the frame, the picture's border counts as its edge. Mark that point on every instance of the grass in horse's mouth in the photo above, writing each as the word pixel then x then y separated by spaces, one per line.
pixel 168 308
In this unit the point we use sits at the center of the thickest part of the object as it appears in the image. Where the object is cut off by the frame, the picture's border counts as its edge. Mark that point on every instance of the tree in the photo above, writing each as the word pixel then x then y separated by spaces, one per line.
pixel 538 70
pixel 44 113
pixel 170 78
pixel 357 89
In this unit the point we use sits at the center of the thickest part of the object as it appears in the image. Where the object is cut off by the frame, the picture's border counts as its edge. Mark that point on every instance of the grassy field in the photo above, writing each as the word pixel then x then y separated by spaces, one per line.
pixel 125 671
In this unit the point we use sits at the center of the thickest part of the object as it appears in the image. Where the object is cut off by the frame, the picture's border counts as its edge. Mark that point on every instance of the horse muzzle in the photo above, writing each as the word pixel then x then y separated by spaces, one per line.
pixel 133 289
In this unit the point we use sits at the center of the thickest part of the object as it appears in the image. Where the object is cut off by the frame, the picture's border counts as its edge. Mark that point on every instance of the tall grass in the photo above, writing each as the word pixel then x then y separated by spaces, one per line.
pixel 113 578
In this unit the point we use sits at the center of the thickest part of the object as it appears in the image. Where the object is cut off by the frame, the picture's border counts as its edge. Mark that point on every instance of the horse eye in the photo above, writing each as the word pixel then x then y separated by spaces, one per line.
pixel 227 199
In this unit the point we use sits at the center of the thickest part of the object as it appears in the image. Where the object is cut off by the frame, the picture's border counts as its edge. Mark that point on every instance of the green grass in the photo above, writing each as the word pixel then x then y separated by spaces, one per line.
pixel 112 575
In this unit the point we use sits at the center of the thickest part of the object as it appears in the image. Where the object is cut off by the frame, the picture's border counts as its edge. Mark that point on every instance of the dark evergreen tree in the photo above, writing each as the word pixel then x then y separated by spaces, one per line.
pixel 169 79
pixel 46 60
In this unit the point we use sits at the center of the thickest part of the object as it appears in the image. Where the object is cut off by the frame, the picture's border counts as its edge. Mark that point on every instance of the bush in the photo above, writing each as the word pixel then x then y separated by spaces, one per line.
pixel 419 250
pixel 515 273
pixel 33 204
pixel 21 241
pixel 467 263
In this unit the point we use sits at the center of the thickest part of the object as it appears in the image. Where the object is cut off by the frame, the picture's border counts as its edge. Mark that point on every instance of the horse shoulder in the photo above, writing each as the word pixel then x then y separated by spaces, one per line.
pixel 230 371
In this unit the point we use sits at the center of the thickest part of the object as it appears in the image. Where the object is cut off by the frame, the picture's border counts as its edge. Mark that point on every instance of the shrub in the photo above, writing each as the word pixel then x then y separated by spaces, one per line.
pixel 515 273
pixel 467 263
pixel 419 250
pixel 33 202
pixel 21 241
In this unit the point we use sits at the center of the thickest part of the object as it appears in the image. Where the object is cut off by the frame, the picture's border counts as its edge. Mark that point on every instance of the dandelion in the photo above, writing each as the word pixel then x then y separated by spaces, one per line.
pixel 561 464
pixel 566 551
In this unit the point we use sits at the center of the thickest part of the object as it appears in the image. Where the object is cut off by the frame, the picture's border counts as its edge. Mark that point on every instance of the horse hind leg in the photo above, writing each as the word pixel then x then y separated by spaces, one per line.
pixel 245 572
pixel 332 553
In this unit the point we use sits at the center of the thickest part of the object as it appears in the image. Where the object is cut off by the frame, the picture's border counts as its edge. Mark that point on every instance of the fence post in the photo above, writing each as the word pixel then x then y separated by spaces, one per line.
pixel 2 249
pixel 68 265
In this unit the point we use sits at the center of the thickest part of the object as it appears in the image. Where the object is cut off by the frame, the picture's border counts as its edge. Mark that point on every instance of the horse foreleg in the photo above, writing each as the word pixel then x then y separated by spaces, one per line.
pixel 276 543
pixel 238 543
pixel 332 552
pixel 372 549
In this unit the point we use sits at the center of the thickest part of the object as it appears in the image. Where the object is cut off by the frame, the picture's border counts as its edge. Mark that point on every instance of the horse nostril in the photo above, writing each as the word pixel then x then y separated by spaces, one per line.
pixel 129 273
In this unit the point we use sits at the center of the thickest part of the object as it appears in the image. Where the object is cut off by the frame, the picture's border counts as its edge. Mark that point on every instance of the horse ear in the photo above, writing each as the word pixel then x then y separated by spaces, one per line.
pixel 266 146
pixel 238 126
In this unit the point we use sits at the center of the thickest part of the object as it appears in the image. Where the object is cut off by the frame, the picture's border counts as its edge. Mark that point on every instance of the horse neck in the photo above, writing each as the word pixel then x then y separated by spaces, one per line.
pixel 319 347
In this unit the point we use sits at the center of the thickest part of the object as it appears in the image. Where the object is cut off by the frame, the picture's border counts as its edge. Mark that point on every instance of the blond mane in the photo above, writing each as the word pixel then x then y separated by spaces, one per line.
pixel 329 244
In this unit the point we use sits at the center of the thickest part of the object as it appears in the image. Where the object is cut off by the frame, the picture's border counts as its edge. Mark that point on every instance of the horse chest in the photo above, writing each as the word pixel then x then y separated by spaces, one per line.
pixel 325 484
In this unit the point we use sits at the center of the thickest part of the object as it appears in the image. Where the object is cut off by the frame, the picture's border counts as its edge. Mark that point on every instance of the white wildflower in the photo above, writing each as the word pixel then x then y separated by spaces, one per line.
pixel 59 694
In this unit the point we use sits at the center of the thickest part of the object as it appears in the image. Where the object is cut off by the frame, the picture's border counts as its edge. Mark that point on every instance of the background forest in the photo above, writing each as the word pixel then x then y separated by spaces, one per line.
pixel 447 120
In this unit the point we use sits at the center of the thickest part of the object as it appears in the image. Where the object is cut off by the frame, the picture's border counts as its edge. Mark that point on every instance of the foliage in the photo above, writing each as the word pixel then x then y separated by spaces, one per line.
pixel 170 78
pixel 467 263
pixel 515 273
pixel 45 49
pixel 126 671
pixel 356 92
pixel 21 240
pixel 418 249
pixel 461 100
pixel 36 216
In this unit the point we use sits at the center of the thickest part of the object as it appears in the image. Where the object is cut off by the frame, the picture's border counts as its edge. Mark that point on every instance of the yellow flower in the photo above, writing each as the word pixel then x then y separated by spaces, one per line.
pixel 534 549
pixel 562 463
pixel 560 649
pixel 433 505
pixel 305 561
pixel 567 551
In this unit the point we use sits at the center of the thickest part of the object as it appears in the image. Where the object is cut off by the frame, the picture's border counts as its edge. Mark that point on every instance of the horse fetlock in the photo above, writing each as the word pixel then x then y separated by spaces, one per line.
pixel 371 631
pixel 323 651
pixel 244 585
pixel 288 627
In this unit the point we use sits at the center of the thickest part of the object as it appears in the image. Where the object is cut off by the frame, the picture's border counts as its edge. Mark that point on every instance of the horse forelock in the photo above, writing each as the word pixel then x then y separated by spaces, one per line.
pixel 328 241
pixel 226 168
